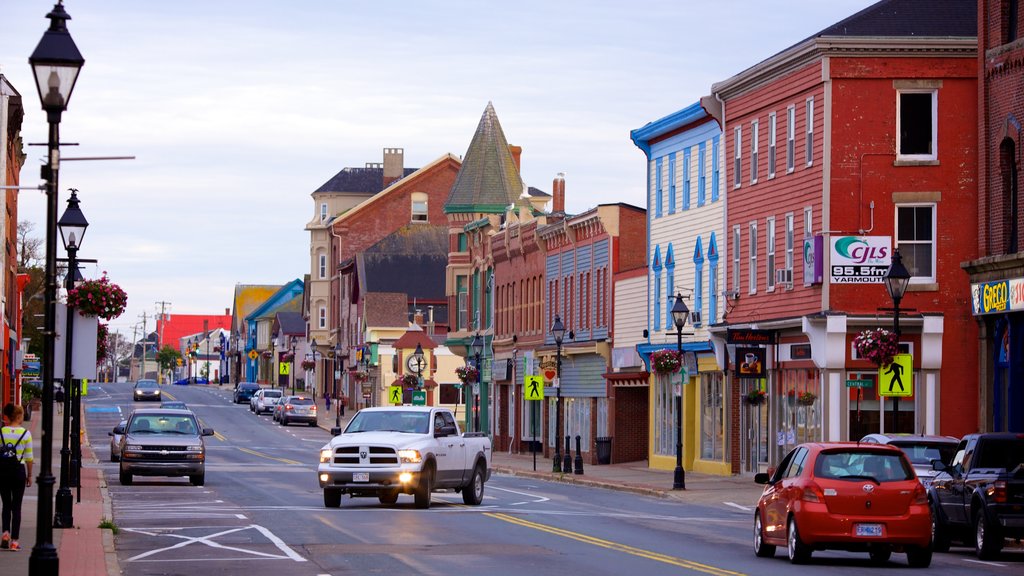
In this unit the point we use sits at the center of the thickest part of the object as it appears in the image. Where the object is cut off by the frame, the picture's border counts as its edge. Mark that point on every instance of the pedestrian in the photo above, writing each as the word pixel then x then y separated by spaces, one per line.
pixel 327 400
pixel 341 404
pixel 15 473
pixel 58 397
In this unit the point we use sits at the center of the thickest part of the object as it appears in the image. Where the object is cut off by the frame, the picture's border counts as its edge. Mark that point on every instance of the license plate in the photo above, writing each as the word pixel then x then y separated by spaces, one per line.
pixel 869 529
pixel 365 477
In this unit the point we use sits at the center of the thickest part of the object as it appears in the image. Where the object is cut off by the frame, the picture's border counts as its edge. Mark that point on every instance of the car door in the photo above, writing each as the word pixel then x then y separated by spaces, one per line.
pixel 775 504
pixel 953 491
pixel 451 450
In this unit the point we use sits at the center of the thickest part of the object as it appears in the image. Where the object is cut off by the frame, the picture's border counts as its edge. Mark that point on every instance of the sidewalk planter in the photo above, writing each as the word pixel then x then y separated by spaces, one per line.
pixel 604 450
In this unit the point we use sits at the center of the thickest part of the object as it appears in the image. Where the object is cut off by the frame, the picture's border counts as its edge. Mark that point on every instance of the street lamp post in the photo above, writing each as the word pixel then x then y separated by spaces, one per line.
pixel 419 362
pixel 72 227
pixel 478 348
pixel 679 314
pixel 312 355
pixel 291 363
pixel 897 277
pixel 334 389
pixel 558 332
pixel 55 63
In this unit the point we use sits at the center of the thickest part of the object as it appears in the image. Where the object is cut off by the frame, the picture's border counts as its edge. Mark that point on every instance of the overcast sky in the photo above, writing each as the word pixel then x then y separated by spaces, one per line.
pixel 237 111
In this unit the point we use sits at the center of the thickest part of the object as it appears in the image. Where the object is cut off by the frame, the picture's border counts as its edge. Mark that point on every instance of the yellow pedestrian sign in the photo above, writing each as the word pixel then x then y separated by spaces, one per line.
pixel 533 388
pixel 395 394
pixel 253 355
pixel 897 379
pixel 285 368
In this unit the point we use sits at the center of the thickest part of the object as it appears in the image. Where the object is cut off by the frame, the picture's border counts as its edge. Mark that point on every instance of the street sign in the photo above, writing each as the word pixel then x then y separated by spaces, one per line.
pixel 285 368
pixel 395 394
pixel 860 384
pixel 253 355
pixel 897 379
pixel 85 387
pixel 419 397
pixel 533 388
pixel 178 361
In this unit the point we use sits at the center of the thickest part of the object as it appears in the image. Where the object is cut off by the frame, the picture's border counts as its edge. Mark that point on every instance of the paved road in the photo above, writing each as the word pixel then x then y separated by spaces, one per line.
pixel 261 512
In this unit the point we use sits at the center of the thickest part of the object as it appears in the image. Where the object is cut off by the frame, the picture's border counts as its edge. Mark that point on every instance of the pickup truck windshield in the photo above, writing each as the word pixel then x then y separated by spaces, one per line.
pixel 161 424
pixel 397 421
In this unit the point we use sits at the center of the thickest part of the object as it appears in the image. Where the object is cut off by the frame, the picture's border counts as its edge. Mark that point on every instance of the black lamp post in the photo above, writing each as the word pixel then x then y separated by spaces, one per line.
pixel 312 356
pixel 679 314
pixel 478 349
pixel 72 225
pixel 897 277
pixel 55 63
pixel 334 389
pixel 291 363
pixel 558 331
pixel 420 363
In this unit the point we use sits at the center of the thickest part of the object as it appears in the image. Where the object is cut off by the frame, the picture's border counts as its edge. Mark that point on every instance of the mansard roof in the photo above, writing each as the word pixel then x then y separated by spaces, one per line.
pixel 489 180
pixel 896 18
pixel 369 180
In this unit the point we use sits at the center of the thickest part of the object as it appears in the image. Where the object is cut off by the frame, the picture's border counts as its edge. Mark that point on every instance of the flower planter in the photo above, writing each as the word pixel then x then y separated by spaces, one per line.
pixel 666 361
pixel 755 398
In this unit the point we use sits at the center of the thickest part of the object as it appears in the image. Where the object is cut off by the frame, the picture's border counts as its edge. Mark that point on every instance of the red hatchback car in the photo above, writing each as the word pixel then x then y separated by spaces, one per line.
pixel 844 496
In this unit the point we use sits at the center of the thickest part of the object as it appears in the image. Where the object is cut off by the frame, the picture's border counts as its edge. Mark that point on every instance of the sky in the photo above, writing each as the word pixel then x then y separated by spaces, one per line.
pixel 237 111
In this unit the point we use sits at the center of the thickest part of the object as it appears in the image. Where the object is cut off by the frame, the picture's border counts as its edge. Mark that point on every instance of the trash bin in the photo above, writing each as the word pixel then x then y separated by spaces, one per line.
pixel 604 450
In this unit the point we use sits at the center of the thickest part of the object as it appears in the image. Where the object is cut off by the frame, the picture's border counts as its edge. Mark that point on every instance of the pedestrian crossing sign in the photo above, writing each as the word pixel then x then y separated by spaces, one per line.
pixel 533 388
pixel 897 379
pixel 285 368
pixel 395 394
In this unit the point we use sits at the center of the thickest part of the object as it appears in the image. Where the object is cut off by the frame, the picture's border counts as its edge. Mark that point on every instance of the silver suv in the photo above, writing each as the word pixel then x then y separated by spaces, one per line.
pixel 163 442
pixel 264 400
pixel 921 450
pixel 295 409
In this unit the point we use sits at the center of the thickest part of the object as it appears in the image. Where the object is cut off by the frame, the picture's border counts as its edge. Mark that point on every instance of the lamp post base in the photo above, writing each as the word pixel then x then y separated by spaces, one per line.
pixel 679 479
pixel 64 515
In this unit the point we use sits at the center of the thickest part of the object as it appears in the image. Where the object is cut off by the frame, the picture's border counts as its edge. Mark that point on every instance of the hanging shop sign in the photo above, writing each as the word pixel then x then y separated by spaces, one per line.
pixel 750 362
pixel 859 259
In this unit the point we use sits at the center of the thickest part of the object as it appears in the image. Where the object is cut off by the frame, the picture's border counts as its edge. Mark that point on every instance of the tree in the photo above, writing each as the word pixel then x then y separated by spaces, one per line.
pixel 168 358
pixel 118 349
pixel 30 262
pixel 28 247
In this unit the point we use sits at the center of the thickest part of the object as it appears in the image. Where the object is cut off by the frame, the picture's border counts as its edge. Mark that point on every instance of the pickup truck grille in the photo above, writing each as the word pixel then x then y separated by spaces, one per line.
pixel 352 455
pixel 167 448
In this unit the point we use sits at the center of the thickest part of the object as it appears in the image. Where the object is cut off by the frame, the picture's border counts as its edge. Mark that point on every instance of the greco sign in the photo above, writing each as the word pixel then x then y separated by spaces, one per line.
pixel 997 297
pixel 859 259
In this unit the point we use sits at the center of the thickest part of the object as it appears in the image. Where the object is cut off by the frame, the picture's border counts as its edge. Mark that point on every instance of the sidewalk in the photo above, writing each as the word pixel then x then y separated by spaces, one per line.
pixel 86 548
pixel 634 477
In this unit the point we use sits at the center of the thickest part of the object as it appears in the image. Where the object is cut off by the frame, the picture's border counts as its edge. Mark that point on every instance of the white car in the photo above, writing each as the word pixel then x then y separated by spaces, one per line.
pixel 264 400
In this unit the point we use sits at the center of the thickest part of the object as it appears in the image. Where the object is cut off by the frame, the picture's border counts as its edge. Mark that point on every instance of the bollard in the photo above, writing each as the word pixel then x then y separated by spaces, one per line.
pixel 579 457
pixel 567 458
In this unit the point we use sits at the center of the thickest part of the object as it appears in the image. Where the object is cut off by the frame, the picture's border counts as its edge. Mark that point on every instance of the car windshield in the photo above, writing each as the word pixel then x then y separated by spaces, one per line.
pixel 163 424
pixel 862 465
pixel 271 393
pixel 390 421
pixel 248 387
pixel 146 384
pixel 301 401
pixel 922 453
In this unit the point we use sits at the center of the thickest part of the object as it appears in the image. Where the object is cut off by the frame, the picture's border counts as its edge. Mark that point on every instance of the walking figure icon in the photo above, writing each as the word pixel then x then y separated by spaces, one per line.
pixel 395 395
pixel 896 370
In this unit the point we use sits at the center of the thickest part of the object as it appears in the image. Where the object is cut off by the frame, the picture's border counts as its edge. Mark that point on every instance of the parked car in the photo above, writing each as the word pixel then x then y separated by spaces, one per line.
pixel 920 449
pixel 264 400
pixel 162 442
pixel 844 496
pixel 115 440
pixel 979 497
pixel 174 404
pixel 146 390
pixel 244 392
pixel 296 409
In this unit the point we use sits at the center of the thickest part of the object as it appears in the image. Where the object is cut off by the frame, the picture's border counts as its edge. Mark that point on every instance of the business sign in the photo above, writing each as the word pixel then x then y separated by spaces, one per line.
pixel 762 337
pixel 859 259
pixel 750 362
pixel 419 397
pixel 800 352
pixel 813 259
pixel 997 297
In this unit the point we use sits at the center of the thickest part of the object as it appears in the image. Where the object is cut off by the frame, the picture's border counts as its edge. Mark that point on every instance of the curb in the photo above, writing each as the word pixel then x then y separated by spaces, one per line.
pixel 572 479
pixel 109 552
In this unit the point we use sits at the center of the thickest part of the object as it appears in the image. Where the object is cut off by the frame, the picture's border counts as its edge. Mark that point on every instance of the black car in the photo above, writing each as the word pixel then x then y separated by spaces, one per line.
pixel 244 392
pixel 146 390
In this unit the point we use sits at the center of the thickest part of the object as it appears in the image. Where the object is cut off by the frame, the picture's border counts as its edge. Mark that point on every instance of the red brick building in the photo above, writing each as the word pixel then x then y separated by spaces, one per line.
pixel 850 144
pixel 997 275
pixel 12 157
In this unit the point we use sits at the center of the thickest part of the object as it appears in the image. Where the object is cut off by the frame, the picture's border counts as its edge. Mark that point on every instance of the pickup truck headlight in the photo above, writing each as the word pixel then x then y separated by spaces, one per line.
pixel 409 456
pixel 325 455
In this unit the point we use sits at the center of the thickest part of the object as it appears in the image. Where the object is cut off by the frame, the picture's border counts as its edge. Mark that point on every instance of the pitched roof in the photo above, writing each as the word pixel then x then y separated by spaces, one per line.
pixel 411 261
pixel 415 335
pixel 366 180
pixel 897 18
pixel 410 179
pixel 489 180
pixel 386 309
pixel 292 323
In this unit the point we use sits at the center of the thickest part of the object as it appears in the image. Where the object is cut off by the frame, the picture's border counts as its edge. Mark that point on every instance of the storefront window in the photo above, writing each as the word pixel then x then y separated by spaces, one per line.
pixel 798 410
pixel 867 410
pixel 712 417
pixel 664 416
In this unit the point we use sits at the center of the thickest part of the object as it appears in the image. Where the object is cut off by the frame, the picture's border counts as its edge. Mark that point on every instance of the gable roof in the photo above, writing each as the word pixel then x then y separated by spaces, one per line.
pixel 489 180
pixel 409 180
pixel 386 309
pixel 288 293
pixel 291 323
pixel 368 180
pixel 248 297
pixel 896 18
pixel 411 261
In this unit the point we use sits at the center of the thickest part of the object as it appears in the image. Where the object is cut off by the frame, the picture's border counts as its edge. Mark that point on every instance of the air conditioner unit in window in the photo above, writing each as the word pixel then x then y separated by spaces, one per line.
pixel 695 318
pixel 784 277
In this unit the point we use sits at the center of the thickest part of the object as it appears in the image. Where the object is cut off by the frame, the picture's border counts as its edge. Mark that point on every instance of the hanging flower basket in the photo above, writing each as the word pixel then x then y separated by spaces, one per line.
pixel 360 376
pixel 268 354
pixel 308 364
pixel 102 333
pixel 100 298
pixel 410 381
pixel 877 346
pixel 806 398
pixel 756 397
pixel 666 361
pixel 467 374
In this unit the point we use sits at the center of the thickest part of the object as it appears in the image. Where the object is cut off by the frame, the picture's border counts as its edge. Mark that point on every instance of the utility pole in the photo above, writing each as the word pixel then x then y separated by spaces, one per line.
pixel 131 353
pixel 145 339
pixel 160 326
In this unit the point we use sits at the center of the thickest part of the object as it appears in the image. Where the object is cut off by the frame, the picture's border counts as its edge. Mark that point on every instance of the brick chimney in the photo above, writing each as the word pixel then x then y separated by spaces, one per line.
pixel 558 193
pixel 516 151
pixel 394 165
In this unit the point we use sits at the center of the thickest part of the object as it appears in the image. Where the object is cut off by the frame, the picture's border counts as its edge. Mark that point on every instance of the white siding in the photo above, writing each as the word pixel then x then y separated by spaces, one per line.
pixel 630 311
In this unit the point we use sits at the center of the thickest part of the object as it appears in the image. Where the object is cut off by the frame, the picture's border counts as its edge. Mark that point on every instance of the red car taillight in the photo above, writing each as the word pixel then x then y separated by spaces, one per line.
pixel 997 491
pixel 812 493
pixel 288 407
pixel 920 495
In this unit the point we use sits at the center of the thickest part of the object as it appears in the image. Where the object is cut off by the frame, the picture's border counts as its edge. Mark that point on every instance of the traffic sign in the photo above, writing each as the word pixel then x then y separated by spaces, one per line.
pixel 860 384
pixel 395 394
pixel 285 368
pixel 533 388
pixel 897 379
pixel 253 355
pixel 419 397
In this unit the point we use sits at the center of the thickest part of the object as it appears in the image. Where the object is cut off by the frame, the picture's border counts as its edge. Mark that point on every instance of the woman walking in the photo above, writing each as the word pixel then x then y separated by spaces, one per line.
pixel 15 473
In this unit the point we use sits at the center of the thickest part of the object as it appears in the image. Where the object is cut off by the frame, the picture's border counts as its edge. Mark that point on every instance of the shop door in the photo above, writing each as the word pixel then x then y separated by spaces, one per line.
pixel 753 428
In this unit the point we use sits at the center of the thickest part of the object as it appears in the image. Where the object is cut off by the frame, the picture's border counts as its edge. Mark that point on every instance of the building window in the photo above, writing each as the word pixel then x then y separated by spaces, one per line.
pixel 1011 194
pixel 672 183
pixel 809 146
pixel 670 282
pixel 916 124
pixel 753 151
pixel 772 129
pixel 737 158
pixel 698 279
pixel 323 211
pixel 657 188
pixel 462 244
pixel 736 259
pixel 322 317
pixel 714 169
pixel 790 138
pixel 686 179
pixel 752 273
pixel 701 171
pixel 713 280
pixel 712 421
pixel 915 239
pixel 1010 15
pixel 419 207
pixel 790 232
pixel 323 266
pixel 461 291
pixel 656 266
pixel 808 236
pixel 770 252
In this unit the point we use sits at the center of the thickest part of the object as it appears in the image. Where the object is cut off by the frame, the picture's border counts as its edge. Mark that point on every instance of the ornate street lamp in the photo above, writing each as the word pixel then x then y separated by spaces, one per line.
pixel 55 63
pixel 558 332
pixel 897 278
pixel 312 355
pixel 478 348
pixel 679 315
pixel 291 363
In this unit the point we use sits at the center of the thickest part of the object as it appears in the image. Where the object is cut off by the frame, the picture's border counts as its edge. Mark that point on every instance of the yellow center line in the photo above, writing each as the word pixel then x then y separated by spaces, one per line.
pixel 169 395
pixel 262 455
pixel 681 562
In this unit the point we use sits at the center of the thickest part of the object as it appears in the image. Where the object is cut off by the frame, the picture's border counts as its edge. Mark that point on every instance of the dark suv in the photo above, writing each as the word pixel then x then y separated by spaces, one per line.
pixel 244 392
pixel 163 442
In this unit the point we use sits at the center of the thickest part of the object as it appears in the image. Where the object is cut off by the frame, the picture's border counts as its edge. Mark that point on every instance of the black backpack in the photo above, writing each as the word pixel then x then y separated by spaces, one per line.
pixel 9 458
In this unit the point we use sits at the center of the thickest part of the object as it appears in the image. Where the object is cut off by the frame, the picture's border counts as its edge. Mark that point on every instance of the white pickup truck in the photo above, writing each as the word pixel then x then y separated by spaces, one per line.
pixel 416 450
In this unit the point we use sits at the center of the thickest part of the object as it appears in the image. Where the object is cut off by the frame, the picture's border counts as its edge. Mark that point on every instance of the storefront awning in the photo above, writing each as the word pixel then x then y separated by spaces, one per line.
pixel 628 379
